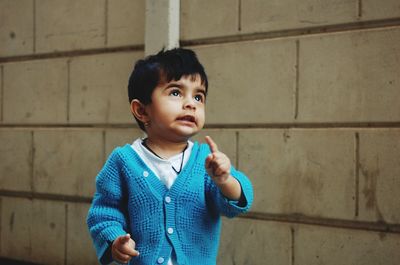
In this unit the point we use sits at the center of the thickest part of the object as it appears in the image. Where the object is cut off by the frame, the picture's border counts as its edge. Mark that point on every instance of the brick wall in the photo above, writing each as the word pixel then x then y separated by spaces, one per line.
pixel 304 97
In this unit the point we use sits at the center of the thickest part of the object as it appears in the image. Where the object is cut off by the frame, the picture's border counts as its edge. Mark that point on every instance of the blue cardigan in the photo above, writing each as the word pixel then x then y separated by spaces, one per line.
pixel 129 198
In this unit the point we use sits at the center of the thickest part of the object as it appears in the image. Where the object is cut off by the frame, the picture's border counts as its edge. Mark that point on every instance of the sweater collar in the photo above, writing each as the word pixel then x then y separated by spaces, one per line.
pixel 156 186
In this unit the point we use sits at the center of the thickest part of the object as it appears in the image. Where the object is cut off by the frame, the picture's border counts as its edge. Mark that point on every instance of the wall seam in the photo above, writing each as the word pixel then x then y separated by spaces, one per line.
pixel 239 15
pixel 103 150
pixel 297 125
pixel 356 26
pixel 237 149
pixel 297 32
pixel 45 196
pixel 2 93
pixel 324 222
pixel 292 249
pixel 359 9
pixel 34 27
pixel 30 249
pixel 1 227
pixel 66 236
pixel 296 88
pixel 279 218
pixel 68 89
pixel 32 161
pixel 357 173
pixel 106 23
pixel 74 53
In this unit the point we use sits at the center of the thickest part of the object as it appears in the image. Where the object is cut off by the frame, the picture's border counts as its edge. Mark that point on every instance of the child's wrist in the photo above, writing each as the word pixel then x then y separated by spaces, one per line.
pixel 230 188
pixel 224 181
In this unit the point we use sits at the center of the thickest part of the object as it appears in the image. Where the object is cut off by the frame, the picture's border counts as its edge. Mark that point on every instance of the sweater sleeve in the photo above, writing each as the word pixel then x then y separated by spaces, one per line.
pixel 227 207
pixel 106 217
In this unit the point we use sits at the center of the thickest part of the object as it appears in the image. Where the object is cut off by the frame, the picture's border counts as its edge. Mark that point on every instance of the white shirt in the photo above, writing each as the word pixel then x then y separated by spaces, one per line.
pixel 163 168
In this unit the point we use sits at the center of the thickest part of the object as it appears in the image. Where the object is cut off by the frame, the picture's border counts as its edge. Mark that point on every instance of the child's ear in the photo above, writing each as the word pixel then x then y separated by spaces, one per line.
pixel 139 111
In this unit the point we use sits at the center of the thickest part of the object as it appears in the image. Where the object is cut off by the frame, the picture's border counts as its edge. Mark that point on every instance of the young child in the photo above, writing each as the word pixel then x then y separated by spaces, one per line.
pixel 159 199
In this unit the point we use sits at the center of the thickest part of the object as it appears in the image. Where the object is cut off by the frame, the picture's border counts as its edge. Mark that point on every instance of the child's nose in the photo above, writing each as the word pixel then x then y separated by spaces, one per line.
pixel 189 103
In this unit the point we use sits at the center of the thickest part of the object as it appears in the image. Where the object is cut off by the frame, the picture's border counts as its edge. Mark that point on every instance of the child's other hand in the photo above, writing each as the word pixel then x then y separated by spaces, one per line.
pixel 123 249
pixel 218 165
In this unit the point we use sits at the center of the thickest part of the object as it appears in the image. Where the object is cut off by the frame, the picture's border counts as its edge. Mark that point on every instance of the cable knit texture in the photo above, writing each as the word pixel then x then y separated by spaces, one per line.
pixel 185 219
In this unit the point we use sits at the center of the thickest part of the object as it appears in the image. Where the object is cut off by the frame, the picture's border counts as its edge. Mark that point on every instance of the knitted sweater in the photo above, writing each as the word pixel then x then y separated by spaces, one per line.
pixel 185 219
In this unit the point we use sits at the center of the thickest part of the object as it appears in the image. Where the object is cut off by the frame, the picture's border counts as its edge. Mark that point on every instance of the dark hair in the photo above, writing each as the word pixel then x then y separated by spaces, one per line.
pixel 165 66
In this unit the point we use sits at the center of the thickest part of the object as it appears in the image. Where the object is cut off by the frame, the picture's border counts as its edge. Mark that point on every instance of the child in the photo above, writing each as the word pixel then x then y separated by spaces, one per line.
pixel 159 200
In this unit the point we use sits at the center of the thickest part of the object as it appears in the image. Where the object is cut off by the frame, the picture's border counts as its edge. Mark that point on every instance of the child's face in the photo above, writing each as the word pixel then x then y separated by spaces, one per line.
pixel 177 110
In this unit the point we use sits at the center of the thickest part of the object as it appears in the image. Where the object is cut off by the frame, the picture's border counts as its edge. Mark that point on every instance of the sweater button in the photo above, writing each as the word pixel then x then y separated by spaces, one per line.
pixel 167 199
pixel 145 174
pixel 160 260
pixel 170 230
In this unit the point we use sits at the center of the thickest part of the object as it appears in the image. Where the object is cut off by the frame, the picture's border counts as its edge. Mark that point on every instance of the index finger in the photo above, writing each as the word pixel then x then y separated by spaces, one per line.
pixel 213 146
pixel 125 238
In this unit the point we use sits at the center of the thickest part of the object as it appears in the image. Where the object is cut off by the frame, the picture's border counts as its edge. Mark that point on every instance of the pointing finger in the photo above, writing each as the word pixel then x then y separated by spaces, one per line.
pixel 213 146
pixel 125 238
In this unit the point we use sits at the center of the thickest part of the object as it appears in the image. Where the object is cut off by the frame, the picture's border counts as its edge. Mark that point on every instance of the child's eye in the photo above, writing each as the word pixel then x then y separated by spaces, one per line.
pixel 175 93
pixel 199 98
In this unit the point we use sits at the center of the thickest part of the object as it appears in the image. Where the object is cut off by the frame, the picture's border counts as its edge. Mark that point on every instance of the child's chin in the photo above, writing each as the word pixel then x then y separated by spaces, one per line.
pixel 187 132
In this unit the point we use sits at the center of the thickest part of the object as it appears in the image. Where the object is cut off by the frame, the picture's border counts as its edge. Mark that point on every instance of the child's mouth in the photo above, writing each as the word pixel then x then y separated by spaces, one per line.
pixel 187 118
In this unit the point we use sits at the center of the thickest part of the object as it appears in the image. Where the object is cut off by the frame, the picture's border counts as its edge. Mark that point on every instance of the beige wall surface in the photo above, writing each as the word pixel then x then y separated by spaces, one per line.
pixel 304 97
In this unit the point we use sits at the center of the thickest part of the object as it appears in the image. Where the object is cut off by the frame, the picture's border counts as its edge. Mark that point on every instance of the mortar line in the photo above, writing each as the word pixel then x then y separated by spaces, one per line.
pixel 32 159
pixel 68 89
pixel 237 149
pixel 296 88
pixel 74 53
pixel 357 174
pixel 104 155
pixel 106 23
pixel 359 9
pixel 295 33
pixel 1 227
pixel 292 258
pixel 338 28
pixel 45 196
pixel 299 125
pixel 377 226
pixel 2 93
pixel 66 236
pixel 34 27
pixel 239 15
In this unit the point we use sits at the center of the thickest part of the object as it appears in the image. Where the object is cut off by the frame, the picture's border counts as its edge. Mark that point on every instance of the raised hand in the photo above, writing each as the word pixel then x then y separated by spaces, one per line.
pixel 218 165
pixel 123 249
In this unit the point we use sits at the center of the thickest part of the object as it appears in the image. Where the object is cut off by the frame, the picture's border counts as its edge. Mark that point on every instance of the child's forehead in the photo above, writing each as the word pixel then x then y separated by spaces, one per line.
pixel 191 78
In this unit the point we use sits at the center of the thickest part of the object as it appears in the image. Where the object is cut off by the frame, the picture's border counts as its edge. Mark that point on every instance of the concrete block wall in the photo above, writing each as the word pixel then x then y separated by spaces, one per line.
pixel 311 90
pixel 64 67
pixel 304 97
